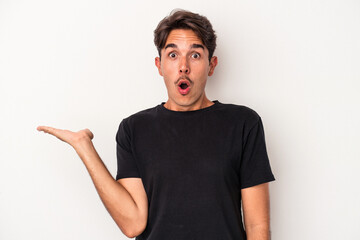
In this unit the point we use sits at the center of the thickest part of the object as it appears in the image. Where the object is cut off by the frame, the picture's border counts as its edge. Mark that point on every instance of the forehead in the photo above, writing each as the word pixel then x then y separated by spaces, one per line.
pixel 183 36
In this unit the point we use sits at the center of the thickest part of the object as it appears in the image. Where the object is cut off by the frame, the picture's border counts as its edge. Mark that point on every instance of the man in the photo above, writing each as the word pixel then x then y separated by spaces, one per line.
pixel 186 165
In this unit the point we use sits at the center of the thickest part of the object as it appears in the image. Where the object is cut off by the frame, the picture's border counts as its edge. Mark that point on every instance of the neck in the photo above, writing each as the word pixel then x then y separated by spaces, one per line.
pixel 202 102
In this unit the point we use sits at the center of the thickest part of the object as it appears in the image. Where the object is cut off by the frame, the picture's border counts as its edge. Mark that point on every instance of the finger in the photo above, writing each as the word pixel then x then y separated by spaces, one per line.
pixel 47 129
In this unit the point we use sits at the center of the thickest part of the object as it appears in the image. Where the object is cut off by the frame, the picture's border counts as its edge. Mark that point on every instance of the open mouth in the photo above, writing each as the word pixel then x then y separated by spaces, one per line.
pixel 184 86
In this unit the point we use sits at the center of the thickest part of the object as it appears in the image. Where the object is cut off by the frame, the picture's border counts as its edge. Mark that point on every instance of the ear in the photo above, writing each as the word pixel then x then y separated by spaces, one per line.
pixel 213 63
pixel 158 65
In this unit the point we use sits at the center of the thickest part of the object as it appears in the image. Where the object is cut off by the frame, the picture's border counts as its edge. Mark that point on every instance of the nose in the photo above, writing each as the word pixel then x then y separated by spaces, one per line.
pixel 184 66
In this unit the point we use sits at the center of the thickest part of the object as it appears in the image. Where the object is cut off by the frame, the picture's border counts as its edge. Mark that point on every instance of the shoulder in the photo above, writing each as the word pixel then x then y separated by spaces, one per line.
pixel 140 117
pixel 242 113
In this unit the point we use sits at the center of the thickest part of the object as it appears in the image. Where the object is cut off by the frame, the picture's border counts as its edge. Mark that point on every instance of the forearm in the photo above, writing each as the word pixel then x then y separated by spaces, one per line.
pixel 258 232
pixel 114 196
pixel 256 209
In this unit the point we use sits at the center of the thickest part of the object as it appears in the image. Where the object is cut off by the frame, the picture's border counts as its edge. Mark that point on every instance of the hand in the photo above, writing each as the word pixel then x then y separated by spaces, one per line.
pixel 72 138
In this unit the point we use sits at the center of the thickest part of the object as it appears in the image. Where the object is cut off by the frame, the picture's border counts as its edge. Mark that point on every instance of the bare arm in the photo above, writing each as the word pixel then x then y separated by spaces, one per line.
pixel 256 208
pixel 125 200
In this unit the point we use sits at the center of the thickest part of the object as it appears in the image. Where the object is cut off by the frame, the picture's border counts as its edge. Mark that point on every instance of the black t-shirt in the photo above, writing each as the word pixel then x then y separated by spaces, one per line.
pixel 193 165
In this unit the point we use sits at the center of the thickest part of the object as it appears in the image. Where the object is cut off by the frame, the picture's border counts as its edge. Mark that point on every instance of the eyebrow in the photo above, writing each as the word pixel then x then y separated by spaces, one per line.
pixel 172 45
pixel 198 46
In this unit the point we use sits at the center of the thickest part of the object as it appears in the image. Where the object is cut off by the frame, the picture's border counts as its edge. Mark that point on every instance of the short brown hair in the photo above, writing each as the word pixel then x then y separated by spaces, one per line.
pixel 182 19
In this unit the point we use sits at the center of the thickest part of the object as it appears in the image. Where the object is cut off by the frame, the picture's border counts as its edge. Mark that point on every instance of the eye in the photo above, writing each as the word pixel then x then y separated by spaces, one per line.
pixel 172 55
pixel 195 55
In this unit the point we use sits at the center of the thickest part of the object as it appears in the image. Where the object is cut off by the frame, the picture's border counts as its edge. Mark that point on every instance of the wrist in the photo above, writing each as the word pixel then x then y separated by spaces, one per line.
pixel 83 145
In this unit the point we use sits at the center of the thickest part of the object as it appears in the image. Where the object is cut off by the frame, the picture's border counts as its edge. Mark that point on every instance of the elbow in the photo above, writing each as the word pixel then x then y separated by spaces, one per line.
pixel 135 231
pixel 132 234
pixel 137 227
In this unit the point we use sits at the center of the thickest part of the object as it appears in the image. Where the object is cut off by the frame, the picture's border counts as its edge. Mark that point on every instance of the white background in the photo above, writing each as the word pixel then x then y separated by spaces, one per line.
pixel 89 64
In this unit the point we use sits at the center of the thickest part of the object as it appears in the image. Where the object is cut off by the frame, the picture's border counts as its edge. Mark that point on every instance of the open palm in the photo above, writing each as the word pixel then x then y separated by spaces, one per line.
pixel 72 138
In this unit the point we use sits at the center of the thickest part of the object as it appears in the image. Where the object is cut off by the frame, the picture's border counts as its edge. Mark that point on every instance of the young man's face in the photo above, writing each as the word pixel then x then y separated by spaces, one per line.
pixel 185 67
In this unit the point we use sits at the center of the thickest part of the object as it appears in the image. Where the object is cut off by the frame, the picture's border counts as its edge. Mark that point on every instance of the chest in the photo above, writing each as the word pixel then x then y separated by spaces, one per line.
pixel 187 152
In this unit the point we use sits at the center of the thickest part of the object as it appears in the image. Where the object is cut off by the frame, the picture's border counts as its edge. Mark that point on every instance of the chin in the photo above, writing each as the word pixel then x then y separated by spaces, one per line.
pixel 184 101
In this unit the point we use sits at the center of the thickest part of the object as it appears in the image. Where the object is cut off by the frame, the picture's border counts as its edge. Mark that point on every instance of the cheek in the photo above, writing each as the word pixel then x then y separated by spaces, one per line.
pixel 168 80
pixel 166 76
pixel 201 71
pixel 167 69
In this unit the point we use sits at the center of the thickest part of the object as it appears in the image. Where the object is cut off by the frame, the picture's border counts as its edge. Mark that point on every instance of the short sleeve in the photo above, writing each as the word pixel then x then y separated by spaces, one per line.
pixel 126 164
pixel 255 166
